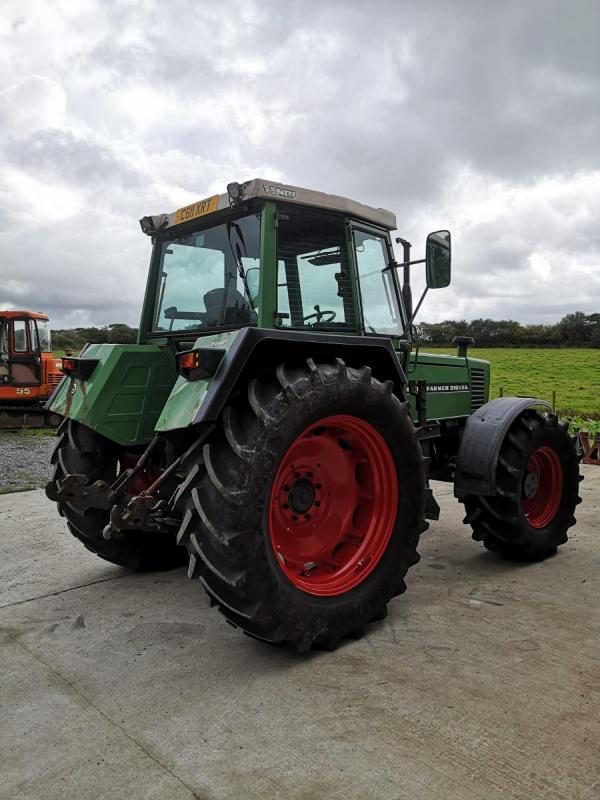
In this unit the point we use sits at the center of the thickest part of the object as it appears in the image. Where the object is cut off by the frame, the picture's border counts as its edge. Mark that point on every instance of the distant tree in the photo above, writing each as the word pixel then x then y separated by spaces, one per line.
pixel 441 333
pixel 575 328
pixel 121 334
pixel 594 323
pixel 75 338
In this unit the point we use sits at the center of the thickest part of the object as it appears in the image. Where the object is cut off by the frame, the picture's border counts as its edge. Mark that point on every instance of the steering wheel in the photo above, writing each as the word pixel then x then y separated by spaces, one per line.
pixel 318 315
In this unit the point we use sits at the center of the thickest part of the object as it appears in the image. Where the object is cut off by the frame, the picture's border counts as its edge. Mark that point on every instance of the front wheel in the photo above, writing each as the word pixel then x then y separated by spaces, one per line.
pixel 303 515
pixel 537 491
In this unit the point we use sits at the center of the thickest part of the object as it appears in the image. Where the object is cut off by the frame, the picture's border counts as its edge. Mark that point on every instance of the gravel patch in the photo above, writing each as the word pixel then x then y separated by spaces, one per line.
pixel 25 459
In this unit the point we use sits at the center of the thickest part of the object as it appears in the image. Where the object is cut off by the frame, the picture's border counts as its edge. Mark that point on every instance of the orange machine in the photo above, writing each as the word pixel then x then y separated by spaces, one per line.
pixel 29 372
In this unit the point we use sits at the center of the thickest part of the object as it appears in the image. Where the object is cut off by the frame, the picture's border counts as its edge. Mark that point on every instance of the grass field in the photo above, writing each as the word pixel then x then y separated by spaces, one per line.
pixel 573 373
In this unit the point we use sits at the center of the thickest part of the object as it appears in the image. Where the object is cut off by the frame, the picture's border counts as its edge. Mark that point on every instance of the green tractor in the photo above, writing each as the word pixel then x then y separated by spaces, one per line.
pixel 276 426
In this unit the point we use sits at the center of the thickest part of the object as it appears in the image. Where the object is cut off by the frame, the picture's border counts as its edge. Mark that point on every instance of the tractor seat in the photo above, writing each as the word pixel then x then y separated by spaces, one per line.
pixel 228 306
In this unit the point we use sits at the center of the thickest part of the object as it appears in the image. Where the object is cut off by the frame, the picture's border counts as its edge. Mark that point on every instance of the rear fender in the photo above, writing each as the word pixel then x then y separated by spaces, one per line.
pixel 481 442
pixel 123 396
pixel 251 350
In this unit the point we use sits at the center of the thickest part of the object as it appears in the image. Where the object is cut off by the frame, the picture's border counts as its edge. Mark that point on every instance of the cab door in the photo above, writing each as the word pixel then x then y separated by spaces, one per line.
pixel 24 361
pixel 380 300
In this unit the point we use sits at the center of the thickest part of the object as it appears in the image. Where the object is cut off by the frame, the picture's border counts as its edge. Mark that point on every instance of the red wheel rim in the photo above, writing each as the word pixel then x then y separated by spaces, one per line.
pixel 542 487
pixel 333 505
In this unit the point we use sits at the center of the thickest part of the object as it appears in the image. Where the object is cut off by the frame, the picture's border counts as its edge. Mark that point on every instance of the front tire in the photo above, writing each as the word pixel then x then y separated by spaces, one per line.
pixel 537 491
pixel 303 514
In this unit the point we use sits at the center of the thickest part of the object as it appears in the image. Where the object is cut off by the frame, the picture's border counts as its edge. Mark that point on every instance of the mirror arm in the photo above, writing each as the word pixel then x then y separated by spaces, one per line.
pixel 396 265
pixel 412 319
pixel 406 287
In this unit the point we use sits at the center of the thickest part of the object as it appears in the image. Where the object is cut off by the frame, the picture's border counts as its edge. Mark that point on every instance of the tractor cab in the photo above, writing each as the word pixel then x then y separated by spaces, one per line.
pixel 299 262
pixel 283 258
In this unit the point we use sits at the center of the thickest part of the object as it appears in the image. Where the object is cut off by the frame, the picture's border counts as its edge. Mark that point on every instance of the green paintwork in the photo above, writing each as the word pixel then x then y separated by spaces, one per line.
pixel 267 289
pixel 147 314
pixel 358 314
pixel 186 396
pixel 449 372
pixel 125 394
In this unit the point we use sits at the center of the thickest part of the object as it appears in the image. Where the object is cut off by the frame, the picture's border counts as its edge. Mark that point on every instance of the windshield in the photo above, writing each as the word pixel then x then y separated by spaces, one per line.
pixel 209 279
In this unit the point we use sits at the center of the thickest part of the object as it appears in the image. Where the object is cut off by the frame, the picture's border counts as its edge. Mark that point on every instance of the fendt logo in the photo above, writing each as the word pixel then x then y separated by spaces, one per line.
pixel 279 191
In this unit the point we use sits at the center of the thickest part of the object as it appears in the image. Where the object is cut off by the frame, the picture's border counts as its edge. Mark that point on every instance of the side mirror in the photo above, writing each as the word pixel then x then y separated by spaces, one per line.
pixel 438 259
pixel 254 284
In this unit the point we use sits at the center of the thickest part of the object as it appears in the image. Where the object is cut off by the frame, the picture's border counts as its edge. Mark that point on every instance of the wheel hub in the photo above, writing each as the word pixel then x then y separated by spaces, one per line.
pixel 542 487
pixel 530 484
pixel 302 495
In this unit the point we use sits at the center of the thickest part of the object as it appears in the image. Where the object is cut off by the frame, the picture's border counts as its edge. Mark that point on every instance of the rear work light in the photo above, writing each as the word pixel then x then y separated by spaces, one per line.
pixel 195 365
pixel 80 368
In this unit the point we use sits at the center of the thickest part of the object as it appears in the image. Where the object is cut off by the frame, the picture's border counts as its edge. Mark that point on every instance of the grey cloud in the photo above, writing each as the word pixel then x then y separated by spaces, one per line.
pixel 79 268
pixel 74 157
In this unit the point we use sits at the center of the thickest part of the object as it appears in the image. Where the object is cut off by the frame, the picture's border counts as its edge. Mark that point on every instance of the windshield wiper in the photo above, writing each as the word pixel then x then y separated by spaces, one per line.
pixel 237 254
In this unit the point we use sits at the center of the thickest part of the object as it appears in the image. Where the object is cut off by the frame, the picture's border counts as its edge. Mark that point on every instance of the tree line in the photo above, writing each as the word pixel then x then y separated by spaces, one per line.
pixel 573 330
pixel 75 338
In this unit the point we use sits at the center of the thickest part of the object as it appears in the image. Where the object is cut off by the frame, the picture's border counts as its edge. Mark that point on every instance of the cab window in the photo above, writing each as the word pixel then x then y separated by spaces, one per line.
pixel 313 281
pixel 377 288
pixel 33 337
pixel 19 336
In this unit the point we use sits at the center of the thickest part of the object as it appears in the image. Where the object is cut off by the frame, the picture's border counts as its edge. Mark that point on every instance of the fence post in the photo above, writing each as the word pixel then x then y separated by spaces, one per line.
pixel 553 401
pixel 501 392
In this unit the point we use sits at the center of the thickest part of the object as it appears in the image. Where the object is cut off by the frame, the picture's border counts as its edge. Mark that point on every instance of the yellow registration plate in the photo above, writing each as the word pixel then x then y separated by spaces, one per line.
pixel 198 209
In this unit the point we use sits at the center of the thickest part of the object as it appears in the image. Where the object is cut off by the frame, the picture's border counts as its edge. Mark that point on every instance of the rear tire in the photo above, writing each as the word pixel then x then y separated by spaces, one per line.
pixel 80 450
pixel 234 515
pixel 537 491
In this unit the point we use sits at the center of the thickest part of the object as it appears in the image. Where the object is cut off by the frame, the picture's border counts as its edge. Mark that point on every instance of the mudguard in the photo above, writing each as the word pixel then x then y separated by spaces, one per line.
pixel 250 350
pixel 123 397
pixel 481 442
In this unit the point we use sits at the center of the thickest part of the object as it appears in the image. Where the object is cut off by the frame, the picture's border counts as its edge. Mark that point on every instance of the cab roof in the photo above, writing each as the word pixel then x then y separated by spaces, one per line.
pixel 259 188
pixel 20 314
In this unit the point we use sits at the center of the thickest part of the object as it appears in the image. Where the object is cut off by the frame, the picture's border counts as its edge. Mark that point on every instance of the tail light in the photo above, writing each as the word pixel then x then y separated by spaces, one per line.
pixel 79 367
pixel 69 365
pixel 201 363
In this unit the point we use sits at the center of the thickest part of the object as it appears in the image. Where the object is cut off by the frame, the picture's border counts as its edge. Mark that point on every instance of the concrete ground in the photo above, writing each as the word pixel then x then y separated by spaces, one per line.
pixel 483 682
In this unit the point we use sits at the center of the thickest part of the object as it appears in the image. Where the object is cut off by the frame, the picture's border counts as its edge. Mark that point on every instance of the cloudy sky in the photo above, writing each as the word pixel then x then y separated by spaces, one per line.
pixel 476 115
